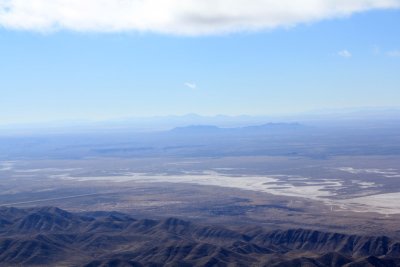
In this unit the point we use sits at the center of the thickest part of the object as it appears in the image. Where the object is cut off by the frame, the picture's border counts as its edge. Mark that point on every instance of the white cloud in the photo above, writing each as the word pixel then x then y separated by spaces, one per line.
pixel 393 53
pixel 182 17
pixel 190 85
pixel 344 53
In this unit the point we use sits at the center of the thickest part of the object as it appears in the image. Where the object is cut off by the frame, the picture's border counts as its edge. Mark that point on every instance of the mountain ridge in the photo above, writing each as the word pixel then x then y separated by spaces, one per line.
pixel 203 128
pixel 58 237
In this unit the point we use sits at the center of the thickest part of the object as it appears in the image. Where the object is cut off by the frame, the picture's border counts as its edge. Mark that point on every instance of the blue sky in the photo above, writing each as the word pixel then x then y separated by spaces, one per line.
pixel 351 61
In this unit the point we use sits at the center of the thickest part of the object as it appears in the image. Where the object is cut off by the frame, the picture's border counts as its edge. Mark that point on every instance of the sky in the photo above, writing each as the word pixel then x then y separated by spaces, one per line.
pixel 105 59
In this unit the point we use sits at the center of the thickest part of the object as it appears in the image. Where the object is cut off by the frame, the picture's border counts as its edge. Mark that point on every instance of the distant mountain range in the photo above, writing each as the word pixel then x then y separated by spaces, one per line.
pixel 53 237
pixel 269 127
pixel 347 117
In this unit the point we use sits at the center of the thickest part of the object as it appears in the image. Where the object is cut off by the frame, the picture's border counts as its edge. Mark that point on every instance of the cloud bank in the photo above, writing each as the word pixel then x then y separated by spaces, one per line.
pixel 178 17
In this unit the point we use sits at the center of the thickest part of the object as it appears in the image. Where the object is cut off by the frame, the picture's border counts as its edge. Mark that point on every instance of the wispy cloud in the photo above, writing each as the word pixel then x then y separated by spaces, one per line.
pixel 393 53
pixel 376 50
pixel 182 17
pixel 190 85
pixel 344 53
